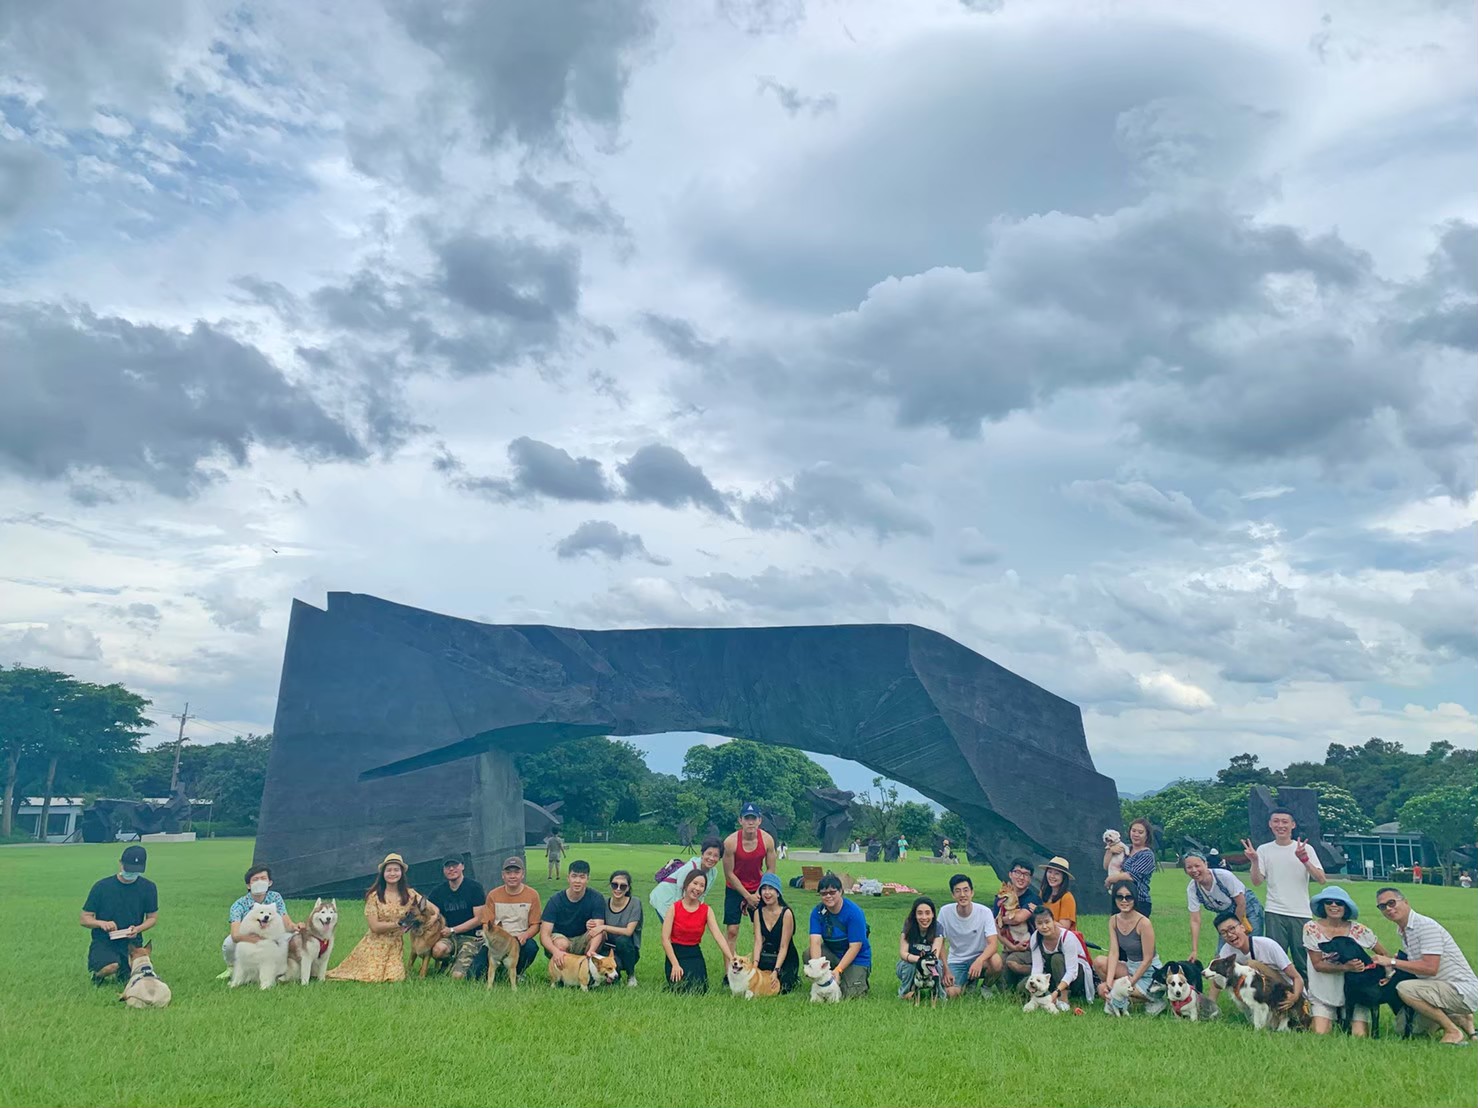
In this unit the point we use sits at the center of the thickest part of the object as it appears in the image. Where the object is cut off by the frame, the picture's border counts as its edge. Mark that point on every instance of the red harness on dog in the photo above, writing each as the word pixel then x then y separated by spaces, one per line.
pixel 1179 1006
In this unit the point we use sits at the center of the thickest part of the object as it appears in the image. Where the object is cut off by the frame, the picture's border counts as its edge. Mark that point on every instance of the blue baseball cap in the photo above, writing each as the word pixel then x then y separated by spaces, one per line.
pixel 750 809
pixel 771 880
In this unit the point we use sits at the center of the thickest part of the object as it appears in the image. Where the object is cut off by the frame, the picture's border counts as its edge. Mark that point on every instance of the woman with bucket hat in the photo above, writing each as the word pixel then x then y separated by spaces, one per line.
pixel 379 956
pixel 1057 892
pixel 774 932
pixel 1335 914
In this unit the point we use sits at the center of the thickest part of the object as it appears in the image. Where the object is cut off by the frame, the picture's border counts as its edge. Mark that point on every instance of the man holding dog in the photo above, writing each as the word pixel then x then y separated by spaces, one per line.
pixel 1014 924
pixel 458 900
pixel 749 853
pixel 258 891
pixel 1237 941
pixel 515 908
pixel 575 919
pixel 118 910
pixel 1444 989
pixel 969 929
pixel 838 926
pixel 1286 866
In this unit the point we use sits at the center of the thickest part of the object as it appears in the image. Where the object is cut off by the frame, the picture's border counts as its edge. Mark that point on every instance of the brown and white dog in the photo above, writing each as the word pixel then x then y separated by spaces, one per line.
pixel 585 971
pixel 308 952
pixel 502 950
pixel 424 922
pixel 1259 990
pixel 747 981
pixel 1183 992
pixel 144 989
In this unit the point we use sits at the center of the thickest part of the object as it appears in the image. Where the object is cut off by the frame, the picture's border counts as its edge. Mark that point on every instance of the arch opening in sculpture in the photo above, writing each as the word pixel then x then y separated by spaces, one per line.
pixel 396 729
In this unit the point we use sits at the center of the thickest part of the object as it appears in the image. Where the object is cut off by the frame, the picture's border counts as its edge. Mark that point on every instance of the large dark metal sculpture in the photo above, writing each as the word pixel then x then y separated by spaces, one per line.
pixel 104 818
pixel 396 729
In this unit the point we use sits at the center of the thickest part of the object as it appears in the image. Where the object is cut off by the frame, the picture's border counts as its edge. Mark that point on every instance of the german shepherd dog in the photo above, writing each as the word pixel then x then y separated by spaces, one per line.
pixel 144 988
pixel 424 922
pixel 503 951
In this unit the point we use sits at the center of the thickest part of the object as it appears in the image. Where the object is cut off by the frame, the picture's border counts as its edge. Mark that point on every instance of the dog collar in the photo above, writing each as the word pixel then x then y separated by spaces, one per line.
pixel 1179 1006
pixel 830 980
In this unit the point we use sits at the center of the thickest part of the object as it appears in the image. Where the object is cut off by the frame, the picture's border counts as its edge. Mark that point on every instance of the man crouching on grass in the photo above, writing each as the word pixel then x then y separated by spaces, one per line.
pixel 1443 990
pixel 118 910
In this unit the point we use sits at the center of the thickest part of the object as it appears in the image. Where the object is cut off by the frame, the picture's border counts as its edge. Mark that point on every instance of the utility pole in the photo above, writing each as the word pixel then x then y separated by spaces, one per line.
pixel 174 780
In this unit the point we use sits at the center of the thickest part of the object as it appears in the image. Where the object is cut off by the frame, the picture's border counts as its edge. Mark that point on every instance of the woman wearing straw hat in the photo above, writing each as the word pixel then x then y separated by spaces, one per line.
pixel 1057 892
pixel 379 955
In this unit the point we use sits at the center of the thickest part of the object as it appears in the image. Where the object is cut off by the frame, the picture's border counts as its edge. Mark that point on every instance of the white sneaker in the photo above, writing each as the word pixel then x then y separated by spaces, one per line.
pixel 630 982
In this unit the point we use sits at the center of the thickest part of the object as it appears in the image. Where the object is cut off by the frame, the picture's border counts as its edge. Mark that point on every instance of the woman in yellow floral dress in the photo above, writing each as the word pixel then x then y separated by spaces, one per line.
pixel 380 954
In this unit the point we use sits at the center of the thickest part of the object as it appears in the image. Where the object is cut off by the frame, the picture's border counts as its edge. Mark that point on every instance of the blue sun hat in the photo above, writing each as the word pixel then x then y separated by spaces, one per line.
pixel 771 880
pixel 1319 901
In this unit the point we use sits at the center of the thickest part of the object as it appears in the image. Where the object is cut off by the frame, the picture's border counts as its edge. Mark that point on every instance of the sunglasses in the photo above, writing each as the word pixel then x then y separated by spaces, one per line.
pixel 1386 905
pixel 620 886
pixel 1123 896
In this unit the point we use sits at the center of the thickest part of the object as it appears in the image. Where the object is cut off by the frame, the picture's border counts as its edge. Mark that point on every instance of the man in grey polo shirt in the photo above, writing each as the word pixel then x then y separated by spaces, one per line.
pixel 1445 989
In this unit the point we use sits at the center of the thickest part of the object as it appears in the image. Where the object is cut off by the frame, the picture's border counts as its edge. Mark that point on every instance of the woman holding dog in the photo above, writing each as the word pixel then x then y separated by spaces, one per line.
pixel 1131 951
pixel 1335 914
pixel 774 931
pixel 920 951
pixel 1139 865
pixel 1057 952
pixel 379 956
pixel 682 935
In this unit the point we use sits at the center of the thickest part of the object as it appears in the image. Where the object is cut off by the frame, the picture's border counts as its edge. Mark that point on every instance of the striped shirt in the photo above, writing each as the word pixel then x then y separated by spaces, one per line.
pixel 1423 935
pixel 1141 866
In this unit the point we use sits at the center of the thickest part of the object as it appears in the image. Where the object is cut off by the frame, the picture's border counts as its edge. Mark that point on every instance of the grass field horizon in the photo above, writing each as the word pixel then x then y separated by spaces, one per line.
pixel 443 1042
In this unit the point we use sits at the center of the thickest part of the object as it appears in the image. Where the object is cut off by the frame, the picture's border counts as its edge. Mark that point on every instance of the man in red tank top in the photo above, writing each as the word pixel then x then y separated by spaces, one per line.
pixel 748 854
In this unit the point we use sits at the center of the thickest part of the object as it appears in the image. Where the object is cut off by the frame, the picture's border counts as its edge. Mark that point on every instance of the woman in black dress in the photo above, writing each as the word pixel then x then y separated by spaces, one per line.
pixel 774 928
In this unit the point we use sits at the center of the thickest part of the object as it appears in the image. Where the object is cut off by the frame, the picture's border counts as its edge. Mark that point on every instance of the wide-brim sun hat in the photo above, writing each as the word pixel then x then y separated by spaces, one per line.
pixel 1337 895
pixel 771 880
pixel 393 859
pixel 1058 862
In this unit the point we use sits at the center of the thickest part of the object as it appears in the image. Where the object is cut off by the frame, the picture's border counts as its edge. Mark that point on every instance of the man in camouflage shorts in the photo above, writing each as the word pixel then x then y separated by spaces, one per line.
pixel 458 898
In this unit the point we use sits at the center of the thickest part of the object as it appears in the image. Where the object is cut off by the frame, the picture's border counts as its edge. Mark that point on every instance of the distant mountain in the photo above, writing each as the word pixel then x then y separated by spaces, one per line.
pixel 1140 796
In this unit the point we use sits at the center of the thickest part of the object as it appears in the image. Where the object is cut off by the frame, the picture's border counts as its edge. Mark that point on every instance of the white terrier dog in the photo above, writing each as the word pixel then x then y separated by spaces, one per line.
pixel 825 989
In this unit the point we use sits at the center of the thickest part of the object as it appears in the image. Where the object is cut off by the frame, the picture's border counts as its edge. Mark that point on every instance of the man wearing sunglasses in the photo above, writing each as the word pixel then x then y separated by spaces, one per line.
pixel 1445 989
pixel 623 925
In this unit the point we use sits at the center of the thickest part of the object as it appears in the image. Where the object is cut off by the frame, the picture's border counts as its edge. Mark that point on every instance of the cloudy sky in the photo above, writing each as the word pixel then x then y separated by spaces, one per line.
pixel 1130 344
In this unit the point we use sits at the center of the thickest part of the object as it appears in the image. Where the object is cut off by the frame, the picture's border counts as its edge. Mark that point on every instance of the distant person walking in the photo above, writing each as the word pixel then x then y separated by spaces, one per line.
pixel 554 850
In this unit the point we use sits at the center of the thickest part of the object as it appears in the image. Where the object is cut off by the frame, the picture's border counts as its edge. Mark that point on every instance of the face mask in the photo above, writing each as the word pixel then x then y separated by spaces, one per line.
pixel 128 878
pixel 259 887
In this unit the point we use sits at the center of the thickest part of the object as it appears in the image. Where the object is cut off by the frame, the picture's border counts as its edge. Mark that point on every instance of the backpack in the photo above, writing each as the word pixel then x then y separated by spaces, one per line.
pixel 1254 906
pixel 665 873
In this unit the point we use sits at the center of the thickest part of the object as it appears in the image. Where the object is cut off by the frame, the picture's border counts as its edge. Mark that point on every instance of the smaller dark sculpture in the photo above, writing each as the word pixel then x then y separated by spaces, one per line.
pixel 833 813
pixel 874 850
pixel 540 821
pixel 774 824
pixel 711 831
pixel 685 835
pixel 1304 804
pixel 103 819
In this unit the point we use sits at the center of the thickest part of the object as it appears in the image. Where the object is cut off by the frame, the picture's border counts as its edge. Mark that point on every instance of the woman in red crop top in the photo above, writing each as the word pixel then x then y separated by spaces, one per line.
pixel 682 934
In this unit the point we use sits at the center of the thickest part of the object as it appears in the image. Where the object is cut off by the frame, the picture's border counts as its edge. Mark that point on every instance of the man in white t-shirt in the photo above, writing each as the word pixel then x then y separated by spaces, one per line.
pixel 1286 866
pixel 969 931
pixel 1445 989
pixel 1236 941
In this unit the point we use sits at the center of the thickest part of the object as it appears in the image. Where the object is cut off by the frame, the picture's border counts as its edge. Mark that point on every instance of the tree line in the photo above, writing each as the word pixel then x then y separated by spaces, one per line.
pixel 1434 793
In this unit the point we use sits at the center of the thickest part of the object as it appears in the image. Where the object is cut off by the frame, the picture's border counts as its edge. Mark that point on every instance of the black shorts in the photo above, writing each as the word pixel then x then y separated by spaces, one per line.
pixel 735 909
pixel 105 954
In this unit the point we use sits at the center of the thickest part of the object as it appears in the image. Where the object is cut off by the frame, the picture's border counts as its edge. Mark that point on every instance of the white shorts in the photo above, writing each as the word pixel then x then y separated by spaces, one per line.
pixel 1324 1011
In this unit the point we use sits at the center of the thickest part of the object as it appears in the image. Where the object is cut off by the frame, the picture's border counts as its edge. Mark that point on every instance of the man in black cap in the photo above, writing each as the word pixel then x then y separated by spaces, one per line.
pixel 119 909
pixel 458 898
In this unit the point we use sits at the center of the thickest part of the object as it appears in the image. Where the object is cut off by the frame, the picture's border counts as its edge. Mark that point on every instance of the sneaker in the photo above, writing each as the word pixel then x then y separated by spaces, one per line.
pixel 630 982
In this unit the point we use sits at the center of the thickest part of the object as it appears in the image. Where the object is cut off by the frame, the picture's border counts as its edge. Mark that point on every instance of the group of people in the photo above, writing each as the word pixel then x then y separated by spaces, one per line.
pixel 964 945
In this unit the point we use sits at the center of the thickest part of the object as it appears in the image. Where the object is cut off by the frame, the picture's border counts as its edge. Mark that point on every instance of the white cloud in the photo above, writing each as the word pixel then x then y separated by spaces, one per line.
pixel 1175 693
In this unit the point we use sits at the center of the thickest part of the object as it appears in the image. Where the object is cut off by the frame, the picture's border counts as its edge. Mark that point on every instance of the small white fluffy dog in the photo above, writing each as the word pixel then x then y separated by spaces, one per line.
pixel 266 959
pixel 308 953
pixel 825 989
pixel 1039 994
pixel 1118 998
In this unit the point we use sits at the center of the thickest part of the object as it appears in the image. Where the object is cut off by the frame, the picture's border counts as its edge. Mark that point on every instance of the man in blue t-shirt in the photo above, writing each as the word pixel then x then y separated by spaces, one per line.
pixel 840 929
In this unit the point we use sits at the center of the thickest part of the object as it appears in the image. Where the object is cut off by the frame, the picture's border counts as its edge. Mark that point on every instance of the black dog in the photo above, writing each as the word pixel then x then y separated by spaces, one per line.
pixel 1192 970
pixel 1369 988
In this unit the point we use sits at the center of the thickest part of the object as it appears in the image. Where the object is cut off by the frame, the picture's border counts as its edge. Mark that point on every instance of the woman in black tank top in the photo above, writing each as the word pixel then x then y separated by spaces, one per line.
pixel 774 929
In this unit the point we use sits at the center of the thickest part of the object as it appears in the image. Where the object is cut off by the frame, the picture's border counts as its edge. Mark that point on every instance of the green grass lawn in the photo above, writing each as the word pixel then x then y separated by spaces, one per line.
pixel 440 1042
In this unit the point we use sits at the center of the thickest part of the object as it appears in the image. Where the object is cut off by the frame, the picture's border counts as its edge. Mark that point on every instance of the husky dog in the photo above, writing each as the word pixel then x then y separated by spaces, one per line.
pixel 308 952
pixel 825 989
pixel 1039 994
pixel 144 988
pixel 264 959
